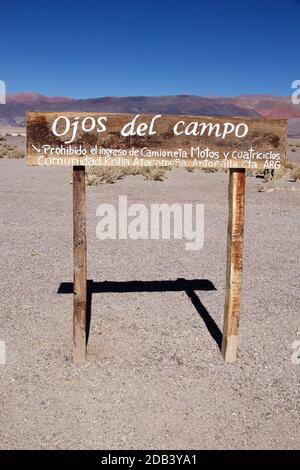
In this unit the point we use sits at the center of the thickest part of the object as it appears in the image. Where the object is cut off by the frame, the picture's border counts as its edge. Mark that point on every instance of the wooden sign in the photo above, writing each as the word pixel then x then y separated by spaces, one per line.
pixel 82 139
pixel 106 139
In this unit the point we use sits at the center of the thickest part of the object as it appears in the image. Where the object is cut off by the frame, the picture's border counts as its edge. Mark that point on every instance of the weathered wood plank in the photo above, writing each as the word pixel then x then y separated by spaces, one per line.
pixel 79 248
pixel 203 141
pixel 236 197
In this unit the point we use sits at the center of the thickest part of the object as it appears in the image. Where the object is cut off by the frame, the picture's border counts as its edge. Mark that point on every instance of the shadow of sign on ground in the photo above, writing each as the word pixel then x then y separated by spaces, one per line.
pixel 184 285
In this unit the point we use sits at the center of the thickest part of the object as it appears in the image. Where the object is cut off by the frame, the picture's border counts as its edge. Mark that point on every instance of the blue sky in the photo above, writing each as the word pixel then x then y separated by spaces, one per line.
pixel 98 48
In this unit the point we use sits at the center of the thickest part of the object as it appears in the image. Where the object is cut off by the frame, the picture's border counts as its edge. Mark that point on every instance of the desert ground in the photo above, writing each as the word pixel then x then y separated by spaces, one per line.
pixel 154 376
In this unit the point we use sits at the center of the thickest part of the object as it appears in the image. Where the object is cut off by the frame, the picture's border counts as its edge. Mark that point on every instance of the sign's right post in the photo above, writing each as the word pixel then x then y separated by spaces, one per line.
pixel 80 265
pixel 235 236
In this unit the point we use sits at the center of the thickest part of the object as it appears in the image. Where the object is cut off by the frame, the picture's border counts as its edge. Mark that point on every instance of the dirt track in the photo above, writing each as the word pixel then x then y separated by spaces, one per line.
pixel 154 376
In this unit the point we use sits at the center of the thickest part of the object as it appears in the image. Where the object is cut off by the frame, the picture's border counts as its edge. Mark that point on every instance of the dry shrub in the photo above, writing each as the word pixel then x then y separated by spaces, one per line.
pixel 273 175
pixel 278 174
pixel 289 165
pixel 10 151
pixel 271 181
pixel 267 187
pixel 156 173
pixel 96 175
pixel 295 174
pixel 294 169
pixel 15 152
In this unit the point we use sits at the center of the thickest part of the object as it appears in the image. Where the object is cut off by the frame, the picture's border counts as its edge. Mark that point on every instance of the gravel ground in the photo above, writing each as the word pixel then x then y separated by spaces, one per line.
pixel 154 377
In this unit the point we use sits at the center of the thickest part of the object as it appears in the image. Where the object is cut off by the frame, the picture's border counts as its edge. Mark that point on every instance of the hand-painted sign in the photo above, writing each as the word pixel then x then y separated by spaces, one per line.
pixel 108 139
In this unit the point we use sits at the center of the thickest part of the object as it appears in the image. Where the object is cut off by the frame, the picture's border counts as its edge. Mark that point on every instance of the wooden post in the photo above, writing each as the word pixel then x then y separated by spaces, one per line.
pixel 79 251
pixel 236 199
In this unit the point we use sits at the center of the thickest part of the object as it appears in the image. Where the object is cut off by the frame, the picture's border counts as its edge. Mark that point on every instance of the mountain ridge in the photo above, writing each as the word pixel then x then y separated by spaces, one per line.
pixel 247 105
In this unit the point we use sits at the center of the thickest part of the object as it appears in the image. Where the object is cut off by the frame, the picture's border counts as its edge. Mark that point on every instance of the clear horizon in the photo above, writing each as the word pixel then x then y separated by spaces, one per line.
pixel 147 96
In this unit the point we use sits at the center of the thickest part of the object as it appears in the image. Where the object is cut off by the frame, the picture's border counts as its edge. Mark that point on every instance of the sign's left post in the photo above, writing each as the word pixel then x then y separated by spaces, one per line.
pixel 80 265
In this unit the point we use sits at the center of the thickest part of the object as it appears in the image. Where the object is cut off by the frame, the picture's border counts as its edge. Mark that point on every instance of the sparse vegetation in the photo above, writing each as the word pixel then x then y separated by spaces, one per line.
pixel 101 175
pixel 15 152
pixel 96 176
pixel 267 187
pixel 10 151
pixel 289 165
pixel 295 174
pixel 274 175
pixel 294 170
pixel 272 181
pixel 157 173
